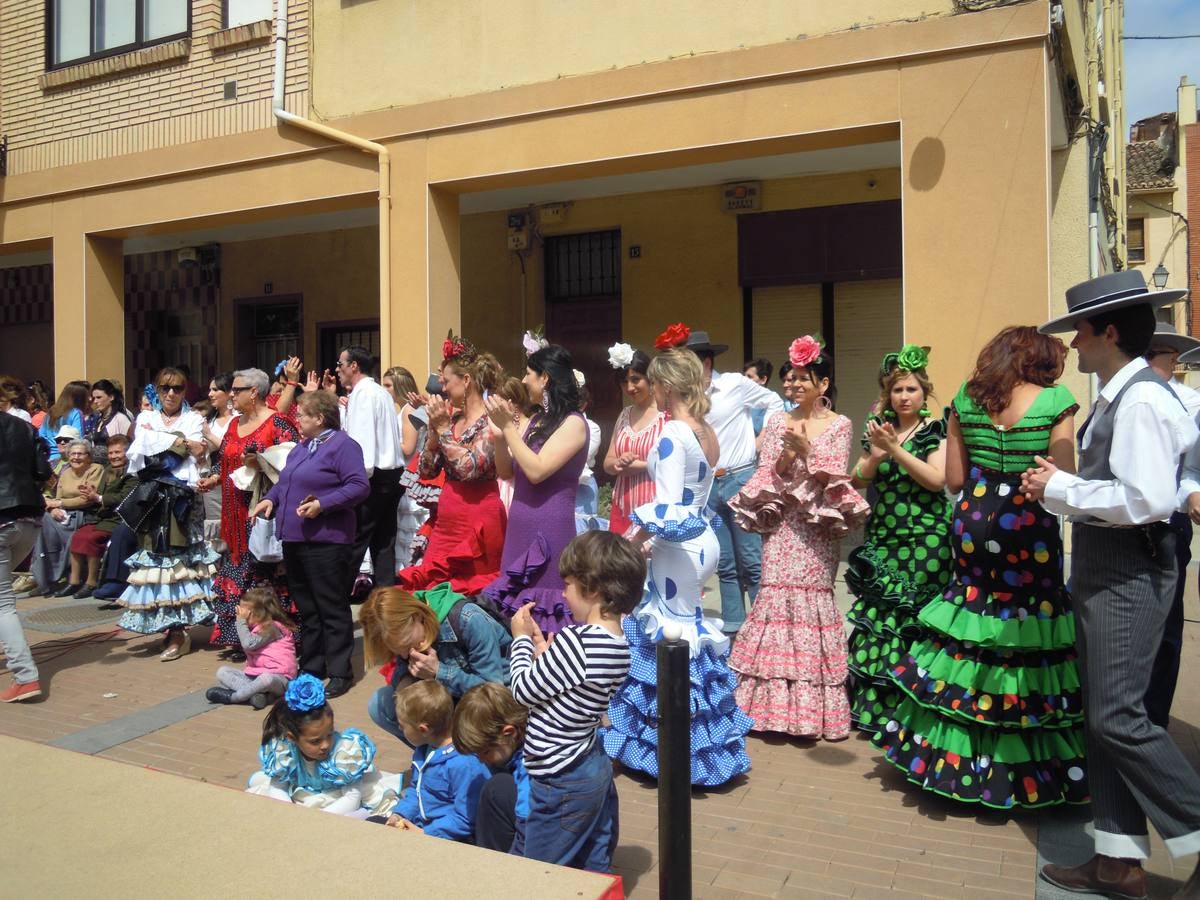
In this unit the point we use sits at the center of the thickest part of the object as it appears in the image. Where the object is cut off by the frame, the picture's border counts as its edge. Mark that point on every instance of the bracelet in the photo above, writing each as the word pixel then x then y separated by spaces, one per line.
pixel 860 476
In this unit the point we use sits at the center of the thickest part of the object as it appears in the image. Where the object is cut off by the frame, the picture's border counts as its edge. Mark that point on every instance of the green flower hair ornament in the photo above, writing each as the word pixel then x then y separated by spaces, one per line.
pixel 910 358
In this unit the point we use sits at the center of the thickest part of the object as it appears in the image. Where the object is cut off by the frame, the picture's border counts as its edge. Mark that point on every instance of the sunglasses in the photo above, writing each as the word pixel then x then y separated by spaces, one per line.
pixel 238 390
pixel 63 440
pixel 172 388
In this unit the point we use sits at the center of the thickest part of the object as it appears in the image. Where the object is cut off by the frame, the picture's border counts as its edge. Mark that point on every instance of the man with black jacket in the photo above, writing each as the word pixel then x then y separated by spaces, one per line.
pixel 24 465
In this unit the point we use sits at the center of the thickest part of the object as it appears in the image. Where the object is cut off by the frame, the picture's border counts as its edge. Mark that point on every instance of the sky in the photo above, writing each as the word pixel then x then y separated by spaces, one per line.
pixel 1152 68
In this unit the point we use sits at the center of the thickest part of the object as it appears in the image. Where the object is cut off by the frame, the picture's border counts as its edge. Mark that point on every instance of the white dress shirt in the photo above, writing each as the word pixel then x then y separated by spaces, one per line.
pixel 733 395
pixel 1151 432
pixel 1189 396
pixel 593 448
pixel 370 418
pixel 150 422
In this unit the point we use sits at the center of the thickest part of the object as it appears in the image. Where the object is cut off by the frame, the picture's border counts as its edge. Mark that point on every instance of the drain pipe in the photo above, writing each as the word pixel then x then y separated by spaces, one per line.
pixel 385 182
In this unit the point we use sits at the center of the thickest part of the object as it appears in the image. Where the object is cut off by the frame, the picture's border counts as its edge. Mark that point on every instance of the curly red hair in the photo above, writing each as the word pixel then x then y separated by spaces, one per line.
pixel 1017 354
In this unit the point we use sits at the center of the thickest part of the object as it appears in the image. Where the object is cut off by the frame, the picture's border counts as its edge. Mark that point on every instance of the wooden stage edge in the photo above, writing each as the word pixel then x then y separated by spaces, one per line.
pixel 78 823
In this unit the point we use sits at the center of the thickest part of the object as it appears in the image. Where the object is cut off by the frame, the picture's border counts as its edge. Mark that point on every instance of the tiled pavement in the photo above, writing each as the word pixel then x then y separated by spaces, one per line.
pixel 810 820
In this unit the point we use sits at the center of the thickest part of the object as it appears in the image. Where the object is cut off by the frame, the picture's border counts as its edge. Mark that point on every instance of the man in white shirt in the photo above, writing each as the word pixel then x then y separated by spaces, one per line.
pixel 1123 579
pixel 1163 357
pixel 370 418
pixel 734 398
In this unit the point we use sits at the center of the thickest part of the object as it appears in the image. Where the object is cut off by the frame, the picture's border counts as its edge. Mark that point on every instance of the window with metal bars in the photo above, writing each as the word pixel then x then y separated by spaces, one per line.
pixel 583 265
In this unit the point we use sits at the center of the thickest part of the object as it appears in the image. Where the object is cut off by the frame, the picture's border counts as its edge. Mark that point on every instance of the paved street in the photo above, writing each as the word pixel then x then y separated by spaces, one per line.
pixel 811 819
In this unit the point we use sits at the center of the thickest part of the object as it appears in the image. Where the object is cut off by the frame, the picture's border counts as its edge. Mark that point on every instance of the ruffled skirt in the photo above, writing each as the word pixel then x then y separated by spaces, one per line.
pixel 168 590
pixel 718 728
pixel 790 657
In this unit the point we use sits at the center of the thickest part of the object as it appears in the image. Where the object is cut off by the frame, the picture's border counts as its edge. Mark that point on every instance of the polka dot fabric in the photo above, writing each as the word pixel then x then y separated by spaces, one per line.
pixel 903 563
pixel 991 710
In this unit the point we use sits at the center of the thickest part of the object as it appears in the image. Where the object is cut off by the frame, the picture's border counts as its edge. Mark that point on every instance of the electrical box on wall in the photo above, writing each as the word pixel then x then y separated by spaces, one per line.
pixel 741 196
pixel 552 214
pixel 518 231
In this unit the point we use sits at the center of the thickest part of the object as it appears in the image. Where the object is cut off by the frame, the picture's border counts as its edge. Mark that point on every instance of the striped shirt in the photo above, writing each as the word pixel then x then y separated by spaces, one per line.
pixel 634 489
pixel 567 689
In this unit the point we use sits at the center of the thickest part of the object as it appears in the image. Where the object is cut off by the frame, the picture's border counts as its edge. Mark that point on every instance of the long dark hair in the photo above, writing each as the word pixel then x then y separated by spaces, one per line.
pixel 223 381
pixel 118 399
pixel 561 394
pixel 282 720
pixel 74 396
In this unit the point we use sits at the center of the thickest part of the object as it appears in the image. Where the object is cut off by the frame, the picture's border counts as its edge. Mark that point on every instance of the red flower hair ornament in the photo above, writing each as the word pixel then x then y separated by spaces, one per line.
pixel 804 351
pixel 675 336
pixel 457 348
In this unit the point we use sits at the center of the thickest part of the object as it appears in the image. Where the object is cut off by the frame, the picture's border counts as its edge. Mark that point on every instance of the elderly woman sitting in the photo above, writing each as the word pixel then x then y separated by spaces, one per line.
pixel 64 513
pixel 100 519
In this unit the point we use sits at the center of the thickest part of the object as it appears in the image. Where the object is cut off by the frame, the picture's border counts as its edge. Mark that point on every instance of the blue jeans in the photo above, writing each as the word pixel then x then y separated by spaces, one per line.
pixel 741 551
pixel 573 815
pixel 382 710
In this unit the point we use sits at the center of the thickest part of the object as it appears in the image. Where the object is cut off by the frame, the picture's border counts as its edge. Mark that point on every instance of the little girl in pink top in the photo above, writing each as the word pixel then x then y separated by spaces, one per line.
pixel 265 633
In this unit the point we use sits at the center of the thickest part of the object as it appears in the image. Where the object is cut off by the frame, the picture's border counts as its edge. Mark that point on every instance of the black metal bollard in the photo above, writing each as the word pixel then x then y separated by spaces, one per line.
pixel 674 767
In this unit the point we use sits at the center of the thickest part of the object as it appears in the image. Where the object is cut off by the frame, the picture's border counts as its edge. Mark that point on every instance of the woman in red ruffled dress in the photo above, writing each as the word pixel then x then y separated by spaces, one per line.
pixel 467 539
pixel 790 655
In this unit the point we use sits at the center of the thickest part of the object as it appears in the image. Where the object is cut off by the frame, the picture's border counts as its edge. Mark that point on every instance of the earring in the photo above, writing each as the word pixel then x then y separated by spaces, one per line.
pixel 924 412
pixel 823 402
pixel 545 401
pixel 229 405
pixel 889 413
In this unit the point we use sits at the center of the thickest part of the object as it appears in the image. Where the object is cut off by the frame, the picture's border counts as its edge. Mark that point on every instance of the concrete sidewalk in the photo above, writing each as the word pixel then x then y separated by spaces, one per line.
pixel 811 819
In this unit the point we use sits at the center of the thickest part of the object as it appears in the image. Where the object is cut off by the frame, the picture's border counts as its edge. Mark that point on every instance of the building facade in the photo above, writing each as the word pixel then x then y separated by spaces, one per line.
pixel 876 170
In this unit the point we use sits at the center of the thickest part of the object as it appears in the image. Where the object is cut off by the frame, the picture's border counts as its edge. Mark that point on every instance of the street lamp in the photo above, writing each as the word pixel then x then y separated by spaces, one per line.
pixel 1159 276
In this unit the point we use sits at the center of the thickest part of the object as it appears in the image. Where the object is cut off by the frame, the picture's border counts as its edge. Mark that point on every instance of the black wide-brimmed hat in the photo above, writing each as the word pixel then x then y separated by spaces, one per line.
pixel 1166 335
pixel 698 343
pixel 1107 293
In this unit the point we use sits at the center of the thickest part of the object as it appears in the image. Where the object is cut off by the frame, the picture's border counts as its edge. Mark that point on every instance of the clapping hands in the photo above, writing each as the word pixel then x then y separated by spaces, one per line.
pixel 883 439
pixel 522 625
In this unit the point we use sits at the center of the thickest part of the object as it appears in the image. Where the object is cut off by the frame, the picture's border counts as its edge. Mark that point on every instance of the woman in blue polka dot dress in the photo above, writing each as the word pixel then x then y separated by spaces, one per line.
pixel 683 554
pixel 992 711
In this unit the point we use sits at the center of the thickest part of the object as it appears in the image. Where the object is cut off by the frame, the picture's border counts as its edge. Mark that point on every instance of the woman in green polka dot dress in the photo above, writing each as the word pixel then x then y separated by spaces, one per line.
pixel 992 711
pixel 904 561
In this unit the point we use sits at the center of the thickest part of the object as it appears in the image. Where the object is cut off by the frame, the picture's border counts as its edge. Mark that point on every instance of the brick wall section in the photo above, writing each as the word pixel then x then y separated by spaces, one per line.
pixel 1193 216
pixel 175 102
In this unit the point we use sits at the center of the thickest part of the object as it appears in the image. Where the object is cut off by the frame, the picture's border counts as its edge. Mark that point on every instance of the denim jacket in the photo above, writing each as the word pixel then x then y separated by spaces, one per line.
pixel 481 655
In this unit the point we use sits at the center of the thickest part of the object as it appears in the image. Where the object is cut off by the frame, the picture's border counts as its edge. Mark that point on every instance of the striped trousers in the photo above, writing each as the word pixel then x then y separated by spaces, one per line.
pixel 1123 583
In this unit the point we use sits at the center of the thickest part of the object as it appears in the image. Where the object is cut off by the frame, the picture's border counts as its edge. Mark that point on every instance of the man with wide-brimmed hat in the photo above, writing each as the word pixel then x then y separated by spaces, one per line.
pixel 1166 349
pixel 734 398
pixel 1123 581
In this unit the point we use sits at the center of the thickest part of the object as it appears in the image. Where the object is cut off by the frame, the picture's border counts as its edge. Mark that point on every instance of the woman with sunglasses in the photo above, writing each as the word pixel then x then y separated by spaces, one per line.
pixel 255 428
pixel 170 581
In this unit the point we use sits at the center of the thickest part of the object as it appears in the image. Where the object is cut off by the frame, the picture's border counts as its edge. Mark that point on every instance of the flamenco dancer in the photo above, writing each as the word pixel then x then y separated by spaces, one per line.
pixel 683 555
pixel 904 561
pixel 993 710
pixel 791 654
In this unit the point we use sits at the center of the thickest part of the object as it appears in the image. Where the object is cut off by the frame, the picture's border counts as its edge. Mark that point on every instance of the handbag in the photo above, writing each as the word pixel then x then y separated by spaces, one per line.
pixel 264 545
pixel 138 504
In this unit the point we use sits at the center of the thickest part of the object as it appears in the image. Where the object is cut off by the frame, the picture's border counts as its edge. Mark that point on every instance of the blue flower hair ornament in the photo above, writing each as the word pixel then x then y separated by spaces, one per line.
pixel 151 394
pixel 279 368
pixel 304 693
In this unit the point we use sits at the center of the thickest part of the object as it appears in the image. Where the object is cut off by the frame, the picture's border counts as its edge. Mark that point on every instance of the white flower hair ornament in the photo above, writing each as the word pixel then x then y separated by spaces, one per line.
pixel 580 380
pixel 620 356
pixel 534 340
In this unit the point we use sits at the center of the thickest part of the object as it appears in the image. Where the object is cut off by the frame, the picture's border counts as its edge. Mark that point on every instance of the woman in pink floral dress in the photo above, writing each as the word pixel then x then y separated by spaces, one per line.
pixel 790 655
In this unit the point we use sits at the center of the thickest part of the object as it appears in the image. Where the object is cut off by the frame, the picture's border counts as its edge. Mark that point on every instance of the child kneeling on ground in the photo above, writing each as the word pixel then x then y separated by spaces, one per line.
pixel 567 684
pixel 444 785
pixel 305 761
pixel 265 632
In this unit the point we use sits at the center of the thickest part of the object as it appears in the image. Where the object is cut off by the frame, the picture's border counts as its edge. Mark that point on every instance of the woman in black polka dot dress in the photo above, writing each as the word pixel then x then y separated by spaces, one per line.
pixel 905 559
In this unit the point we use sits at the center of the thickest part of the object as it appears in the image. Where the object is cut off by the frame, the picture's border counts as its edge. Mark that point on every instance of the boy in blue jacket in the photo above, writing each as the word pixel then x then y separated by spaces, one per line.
pixel 444 785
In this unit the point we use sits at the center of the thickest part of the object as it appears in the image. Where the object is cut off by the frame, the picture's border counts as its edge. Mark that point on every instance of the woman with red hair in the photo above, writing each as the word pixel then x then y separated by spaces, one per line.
pixel 993 711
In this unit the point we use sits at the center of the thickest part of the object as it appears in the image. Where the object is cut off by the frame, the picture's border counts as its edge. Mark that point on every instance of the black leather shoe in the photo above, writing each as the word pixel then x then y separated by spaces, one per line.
pixel 68 591
pixel 84 592
pixel 337 687
pixel 219 695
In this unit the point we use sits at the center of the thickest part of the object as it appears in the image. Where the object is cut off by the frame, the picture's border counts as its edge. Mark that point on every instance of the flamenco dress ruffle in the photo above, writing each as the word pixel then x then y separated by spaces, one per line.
pixel 718 727
pixel 790 655
pixel 903 564
pixel 992 710
pixel 167 591
pixel 466 539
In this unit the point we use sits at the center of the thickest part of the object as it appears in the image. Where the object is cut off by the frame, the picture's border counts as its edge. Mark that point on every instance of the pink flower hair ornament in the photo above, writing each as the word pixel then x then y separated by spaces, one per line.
pixel 804 351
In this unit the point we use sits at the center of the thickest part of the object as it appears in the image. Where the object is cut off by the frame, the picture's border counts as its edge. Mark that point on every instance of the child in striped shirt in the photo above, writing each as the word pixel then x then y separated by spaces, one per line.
pixel 567 683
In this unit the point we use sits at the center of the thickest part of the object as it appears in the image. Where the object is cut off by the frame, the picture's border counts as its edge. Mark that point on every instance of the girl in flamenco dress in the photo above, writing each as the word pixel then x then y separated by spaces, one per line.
pixel 683 553
pixel 904 560
pixel 544 457
pixel 992 710
pixel 791 653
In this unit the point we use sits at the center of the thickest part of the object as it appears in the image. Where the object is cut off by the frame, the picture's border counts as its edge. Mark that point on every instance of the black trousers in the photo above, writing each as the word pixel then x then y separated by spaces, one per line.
pixel 115 574
pixel 1165 674
pixel 496 816
pixel 377 527
pixel 317 575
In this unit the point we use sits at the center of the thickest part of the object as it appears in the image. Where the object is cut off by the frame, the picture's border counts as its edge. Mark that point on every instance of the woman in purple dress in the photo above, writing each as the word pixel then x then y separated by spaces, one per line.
pixel 545 460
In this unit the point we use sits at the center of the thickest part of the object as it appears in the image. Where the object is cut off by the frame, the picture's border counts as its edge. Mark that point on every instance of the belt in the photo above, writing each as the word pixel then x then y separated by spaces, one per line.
pixel 721 473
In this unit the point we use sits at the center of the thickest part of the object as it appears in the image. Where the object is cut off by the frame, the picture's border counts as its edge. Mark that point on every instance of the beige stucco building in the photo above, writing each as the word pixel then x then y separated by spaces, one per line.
pixel 912 170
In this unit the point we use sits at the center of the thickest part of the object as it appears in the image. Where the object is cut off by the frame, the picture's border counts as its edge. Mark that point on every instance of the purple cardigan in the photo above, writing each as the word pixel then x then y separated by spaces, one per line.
pixel 336 476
